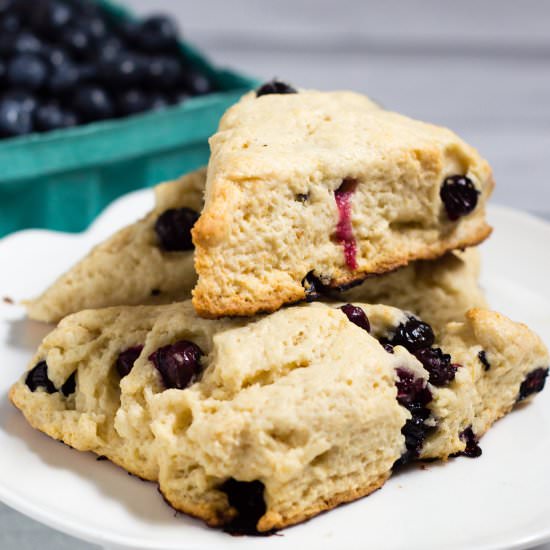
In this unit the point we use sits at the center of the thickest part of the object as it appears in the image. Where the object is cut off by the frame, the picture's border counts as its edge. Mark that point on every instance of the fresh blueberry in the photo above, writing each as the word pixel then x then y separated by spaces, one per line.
pixel 275 87
pixel 173 229
pixel 27 100
pixel 484 361
pixel 15 119
pixel 413 335
pixel 459 196
pixel 93 103
pixel 164 72
pixel 132 101
pixel 247 497
pixel 196 83
pixel 10 23
pixel 126 69
pixel 69 386
pixel 533 383
pixel 179 364
pixel 159 101
pixel 70 119
pixel 110 49
pixel 49 17
pixel 49 116
pixel 57 56
pixel 158 33
pixel 38 378
pixel 96 26
pixel 357 316
pixel 3 71
pixel 438 364
pixel 178 97
pixel 27 42
pixel 78 41
pixel 63 78
pixel 27 71
pixel 126 359
pixel 313 286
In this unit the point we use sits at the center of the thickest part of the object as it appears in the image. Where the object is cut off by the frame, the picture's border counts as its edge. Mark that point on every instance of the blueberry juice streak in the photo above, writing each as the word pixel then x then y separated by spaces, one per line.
pixel 344 228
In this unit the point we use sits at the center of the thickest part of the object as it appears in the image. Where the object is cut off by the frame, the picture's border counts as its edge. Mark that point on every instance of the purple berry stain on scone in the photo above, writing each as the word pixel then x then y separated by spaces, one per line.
pixel 38 378
pixel 459 196
pixel 533 383
pixel 482 356
pixel 438 364
pixel 357 316
pixel 472 449
pixel 173 229
pixel 126 359
pixel 275 87
pixel 344 228
pixel 413 394
pixel 247 497
pixel 179 364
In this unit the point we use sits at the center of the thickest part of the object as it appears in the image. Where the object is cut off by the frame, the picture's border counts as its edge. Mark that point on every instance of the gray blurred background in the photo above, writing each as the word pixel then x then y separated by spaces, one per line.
pixel 481 67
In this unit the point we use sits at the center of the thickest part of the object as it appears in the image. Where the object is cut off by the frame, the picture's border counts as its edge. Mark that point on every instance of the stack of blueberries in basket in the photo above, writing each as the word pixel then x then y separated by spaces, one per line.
pixel 64 63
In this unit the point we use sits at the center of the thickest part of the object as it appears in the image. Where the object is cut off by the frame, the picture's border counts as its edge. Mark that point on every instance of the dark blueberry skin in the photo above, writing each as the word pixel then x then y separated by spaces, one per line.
pixel 93 103
pixel 27 71
pixel 3 72
pixel 157 34
pixel 78 42
pixel 69 387
pixel 414 395
pixel 413 335
pixel 27 42
pixel 132 101
pixel 533 383
pixel 64 77
pixel 247 497
pixel 27 100
pixel 15 119
pixel 196 83
pixel 357 316
pixel 50 17
pixel 179 364
pixel 484 361
pixel 164 72
pixel 459 196
pixel 38 378
pixel 126 69
pixel 313 287
pixel 126 359
pixel 275 87
pixel 438 364
pixel 48 117
pixel 472 449
pixel 173 229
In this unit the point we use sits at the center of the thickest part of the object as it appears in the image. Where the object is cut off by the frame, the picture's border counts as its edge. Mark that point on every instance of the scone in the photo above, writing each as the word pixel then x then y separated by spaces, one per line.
pixel 133 267
pixel 314 190
pixel 262 423
pixel 148 262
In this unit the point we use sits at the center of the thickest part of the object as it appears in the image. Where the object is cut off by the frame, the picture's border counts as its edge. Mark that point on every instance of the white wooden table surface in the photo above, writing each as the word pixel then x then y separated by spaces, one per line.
pixel 481 67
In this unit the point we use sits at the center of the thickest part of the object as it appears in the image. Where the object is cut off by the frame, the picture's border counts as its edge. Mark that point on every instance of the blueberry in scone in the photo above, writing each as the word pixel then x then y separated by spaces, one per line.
pixel 382 190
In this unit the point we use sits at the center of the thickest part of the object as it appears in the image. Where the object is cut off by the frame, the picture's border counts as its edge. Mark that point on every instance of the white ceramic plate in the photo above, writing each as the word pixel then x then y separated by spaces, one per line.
pixel 500 500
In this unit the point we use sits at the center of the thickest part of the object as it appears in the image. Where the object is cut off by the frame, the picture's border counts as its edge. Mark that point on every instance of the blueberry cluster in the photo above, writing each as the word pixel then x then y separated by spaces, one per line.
pixel 64 63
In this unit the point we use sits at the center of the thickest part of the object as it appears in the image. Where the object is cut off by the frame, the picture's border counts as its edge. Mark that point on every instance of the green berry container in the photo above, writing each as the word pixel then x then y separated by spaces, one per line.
pixel 62 179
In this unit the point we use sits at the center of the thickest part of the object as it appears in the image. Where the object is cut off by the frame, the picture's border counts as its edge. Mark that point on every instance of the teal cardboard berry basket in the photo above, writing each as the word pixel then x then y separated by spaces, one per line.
pixel 61 180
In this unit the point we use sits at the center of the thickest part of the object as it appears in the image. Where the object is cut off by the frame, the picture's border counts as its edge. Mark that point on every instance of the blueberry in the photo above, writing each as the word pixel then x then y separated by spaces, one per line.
pixel 164 72
pixel 413 335
pixel 159 101
pixel 57 56
pixel 484 361
pixel 70 119
pixel 3 71
pixel 178 97
pixel 15 119
pixel 69 386
pixel 63 78
pixel 126 359
pixel 438 364
pixel 179 364
pixel 313 286
pixel 414 395
pixel 110 49
pixel 173 229
pixel 27 100
pixel 196 83
pixel 459 196
pixel 533 383
pixel 126 69
pixel 96 26
pixel 49 116
pixel 93 103
pixel 78 41
pixel 38 378
pixel 132 101
pixel 275 87
pixel 27 71
pixel 157 33
pixel 27 42
pixel 10 23
pixel 49 17
pixel 357 316
pixel 247 497
pixel 472 449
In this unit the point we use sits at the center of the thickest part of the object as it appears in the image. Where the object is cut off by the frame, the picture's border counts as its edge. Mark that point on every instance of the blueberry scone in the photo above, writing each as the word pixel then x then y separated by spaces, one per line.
pixel 148 262
pixel 256 424
pixel 151 262
pixel 315 189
